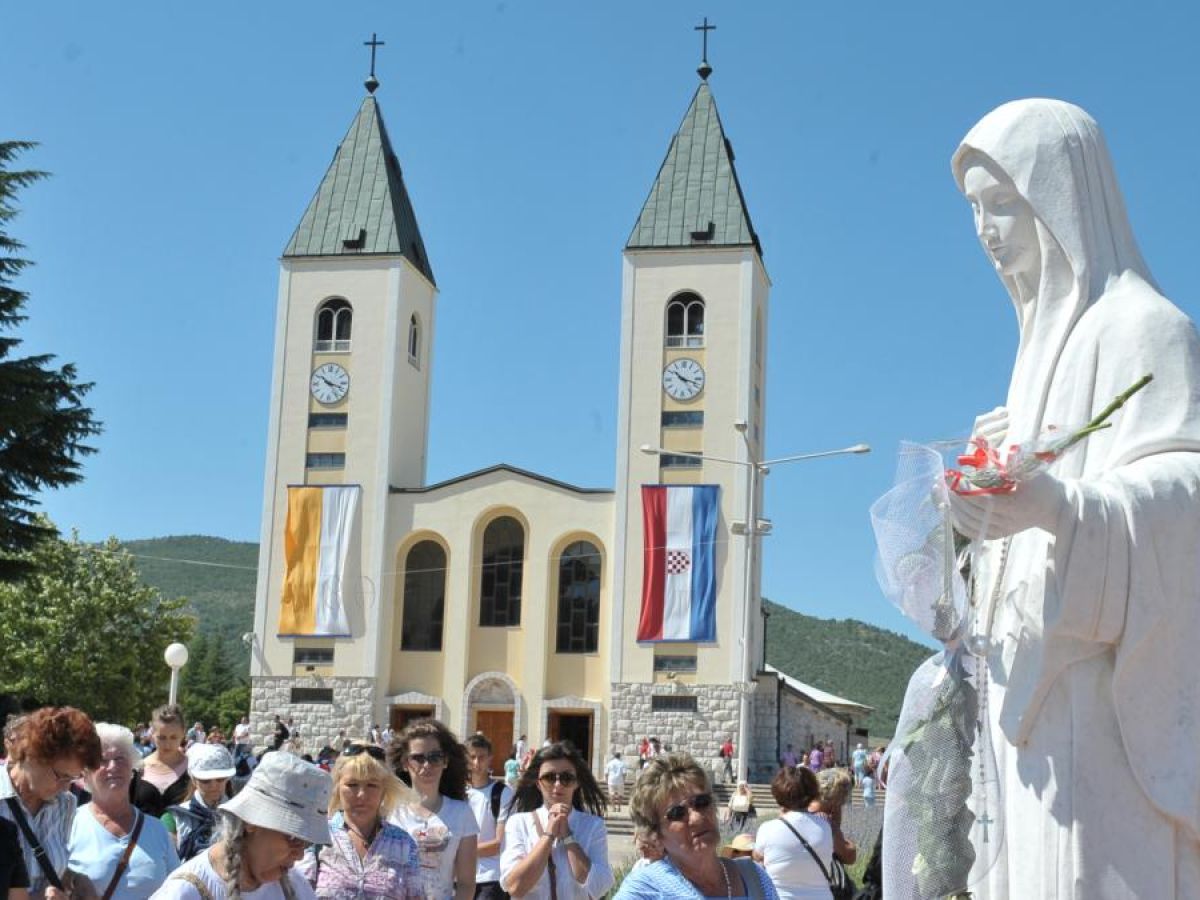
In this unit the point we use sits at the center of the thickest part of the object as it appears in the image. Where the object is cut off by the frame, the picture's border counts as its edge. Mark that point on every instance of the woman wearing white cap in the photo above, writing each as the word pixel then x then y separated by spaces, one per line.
pixel 190 824
pixel 261 834
pixel 125 853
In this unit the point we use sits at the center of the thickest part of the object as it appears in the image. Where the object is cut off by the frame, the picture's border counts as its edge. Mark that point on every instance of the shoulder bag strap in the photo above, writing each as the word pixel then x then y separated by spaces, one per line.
pixel 497 793
pixel 194 880
pixel 749 871
pixel 808 847
pixel 124 863
pixel 39 851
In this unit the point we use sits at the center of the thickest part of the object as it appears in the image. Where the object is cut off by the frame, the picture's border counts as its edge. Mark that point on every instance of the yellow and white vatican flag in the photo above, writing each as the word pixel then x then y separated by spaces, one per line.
pixel 316 544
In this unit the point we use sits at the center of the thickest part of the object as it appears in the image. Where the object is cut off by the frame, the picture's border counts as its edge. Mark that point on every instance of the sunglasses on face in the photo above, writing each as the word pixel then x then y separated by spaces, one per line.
pixel 566 779
pixel 370 749
pixel 433 758
pixel 679 811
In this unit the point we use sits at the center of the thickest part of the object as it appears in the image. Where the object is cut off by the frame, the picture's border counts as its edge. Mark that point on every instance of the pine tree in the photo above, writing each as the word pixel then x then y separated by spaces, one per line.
pixel 44 426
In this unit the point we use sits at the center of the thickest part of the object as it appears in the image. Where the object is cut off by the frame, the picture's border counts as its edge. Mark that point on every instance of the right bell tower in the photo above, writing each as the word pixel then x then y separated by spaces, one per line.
pixel 694 300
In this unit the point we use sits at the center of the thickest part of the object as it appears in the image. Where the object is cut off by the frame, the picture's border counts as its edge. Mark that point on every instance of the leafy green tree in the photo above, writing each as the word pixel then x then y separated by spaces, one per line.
pixel 44 426
pixel 212 690
pixel 83 629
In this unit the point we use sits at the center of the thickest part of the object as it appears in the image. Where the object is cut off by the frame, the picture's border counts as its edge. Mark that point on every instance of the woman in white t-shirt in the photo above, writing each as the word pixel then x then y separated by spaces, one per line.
pixel 428 757
pixel 261 834
pixel 796 875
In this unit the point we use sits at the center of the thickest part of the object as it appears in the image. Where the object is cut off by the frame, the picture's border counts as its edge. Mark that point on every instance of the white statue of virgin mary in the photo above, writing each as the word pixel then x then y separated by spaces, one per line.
pixel 1088 584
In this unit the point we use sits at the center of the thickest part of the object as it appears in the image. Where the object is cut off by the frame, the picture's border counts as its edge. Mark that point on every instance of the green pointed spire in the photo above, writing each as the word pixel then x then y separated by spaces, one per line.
pixel 696 200
pixel 361 206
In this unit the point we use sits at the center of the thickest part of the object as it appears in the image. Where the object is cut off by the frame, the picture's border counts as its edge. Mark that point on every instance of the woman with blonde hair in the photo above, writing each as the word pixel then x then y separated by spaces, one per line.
pixel 370 857
pixel 834 786
pixel 262 833
pixel 163 778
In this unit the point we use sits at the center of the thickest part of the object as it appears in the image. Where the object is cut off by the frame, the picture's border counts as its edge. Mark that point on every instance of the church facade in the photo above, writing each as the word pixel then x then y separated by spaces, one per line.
pixel 503 600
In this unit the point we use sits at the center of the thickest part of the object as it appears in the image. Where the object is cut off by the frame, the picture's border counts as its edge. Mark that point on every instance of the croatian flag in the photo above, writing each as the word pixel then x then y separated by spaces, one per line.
pixel 679 584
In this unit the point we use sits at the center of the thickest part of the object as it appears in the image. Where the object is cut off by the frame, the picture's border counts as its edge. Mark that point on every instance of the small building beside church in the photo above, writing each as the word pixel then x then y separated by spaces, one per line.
pixel 507 601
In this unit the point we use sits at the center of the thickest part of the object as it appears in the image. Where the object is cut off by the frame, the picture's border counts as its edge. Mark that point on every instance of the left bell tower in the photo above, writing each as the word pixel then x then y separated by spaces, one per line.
pixel 349 407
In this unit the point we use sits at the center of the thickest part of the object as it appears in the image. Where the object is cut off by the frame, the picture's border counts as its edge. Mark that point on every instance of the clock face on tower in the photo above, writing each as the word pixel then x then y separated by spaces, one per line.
pixel 330 383
pixel 683 379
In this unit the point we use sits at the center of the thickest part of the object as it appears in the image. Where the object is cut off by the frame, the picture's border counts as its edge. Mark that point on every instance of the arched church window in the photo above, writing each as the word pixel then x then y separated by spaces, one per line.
pixel 334 319
pixel 685 321
pixel 500 585
pixel 579 598
pixel 424 597
pixel 414 341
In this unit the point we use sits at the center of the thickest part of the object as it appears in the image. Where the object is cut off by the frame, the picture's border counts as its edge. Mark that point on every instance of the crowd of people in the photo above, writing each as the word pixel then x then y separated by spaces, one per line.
pixel 96 810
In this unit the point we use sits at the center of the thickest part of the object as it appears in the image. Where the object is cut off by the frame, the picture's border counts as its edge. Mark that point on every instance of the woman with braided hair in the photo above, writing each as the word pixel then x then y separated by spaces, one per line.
pixel 261 834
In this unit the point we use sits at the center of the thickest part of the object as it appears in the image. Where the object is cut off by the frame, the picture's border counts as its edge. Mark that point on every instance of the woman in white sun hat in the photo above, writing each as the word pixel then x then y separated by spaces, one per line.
pixel 261 834
pixel 191 824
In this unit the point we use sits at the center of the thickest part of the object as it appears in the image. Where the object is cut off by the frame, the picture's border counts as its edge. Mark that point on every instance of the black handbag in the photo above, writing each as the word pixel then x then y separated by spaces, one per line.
pixel 841 885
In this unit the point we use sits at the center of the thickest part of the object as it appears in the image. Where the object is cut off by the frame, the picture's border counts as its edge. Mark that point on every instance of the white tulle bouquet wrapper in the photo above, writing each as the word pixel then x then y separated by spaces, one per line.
pixel 995 470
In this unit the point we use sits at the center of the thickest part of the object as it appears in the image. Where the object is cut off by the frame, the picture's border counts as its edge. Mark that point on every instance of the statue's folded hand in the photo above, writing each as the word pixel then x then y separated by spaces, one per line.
pixel 1035 503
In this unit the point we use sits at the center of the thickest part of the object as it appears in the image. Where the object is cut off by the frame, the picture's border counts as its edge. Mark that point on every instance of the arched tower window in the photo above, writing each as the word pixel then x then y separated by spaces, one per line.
pixel 333 326
pixel 579 599
pixel 414 341
pixel 685 321
pixel 500 585
pixel 424 597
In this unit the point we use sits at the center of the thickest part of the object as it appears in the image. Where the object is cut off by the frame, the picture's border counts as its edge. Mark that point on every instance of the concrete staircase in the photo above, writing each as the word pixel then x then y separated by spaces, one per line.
pixel 620 825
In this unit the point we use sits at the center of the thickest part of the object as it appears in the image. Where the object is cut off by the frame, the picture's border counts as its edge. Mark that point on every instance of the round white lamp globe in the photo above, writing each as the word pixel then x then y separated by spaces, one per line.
pixel 176 656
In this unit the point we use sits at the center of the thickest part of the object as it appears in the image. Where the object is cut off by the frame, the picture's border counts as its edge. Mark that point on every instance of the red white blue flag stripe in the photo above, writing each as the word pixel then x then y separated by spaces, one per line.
pixel 679 585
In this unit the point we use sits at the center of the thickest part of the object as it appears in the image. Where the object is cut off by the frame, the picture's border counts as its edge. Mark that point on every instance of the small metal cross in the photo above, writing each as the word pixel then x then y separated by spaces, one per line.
pixel 704 30
pixel 373 43
pixel 985 820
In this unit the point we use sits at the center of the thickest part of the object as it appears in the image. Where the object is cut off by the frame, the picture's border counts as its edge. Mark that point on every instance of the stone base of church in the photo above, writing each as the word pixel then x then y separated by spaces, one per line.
pixel 350 706
pixel 697 730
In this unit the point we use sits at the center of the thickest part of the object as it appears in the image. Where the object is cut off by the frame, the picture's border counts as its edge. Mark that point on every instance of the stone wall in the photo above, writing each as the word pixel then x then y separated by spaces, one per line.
pixel 765 730
pixel 698 733
pixel 802 724
pixel 352 709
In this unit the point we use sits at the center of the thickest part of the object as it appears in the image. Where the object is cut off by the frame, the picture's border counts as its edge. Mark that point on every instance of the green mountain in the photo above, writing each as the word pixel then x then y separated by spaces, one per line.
pixel 216 576
pixel 846 657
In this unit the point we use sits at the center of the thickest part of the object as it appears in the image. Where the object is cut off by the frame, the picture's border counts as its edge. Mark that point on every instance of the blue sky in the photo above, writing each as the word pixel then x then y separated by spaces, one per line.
pixel 186 140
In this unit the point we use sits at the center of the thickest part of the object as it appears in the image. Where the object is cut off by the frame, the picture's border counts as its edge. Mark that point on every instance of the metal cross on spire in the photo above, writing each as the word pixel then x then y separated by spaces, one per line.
pixel 372 82
pixel 705 69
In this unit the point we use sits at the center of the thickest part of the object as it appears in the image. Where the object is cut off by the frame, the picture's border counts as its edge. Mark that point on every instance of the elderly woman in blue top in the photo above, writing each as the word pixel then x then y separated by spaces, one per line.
pixel 673 800
pixel 124 852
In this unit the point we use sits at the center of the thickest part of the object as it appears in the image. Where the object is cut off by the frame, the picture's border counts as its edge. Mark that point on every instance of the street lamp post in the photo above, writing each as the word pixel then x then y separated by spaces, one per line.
pixel 175 656
pixel 752 528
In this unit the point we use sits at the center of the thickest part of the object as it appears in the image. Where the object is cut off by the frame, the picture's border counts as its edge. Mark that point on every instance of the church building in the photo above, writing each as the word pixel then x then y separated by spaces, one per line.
pixel 507 601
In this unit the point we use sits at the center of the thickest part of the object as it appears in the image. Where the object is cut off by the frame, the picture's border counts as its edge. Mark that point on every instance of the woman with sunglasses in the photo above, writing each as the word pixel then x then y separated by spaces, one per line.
pixel 673 800
pixel 557 837
pixel 47 750
pixel 429 759
pixel 369 859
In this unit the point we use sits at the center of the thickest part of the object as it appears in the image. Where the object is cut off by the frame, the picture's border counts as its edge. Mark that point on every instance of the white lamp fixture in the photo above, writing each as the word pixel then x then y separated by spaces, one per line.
pixel 175 656
pixel 756 470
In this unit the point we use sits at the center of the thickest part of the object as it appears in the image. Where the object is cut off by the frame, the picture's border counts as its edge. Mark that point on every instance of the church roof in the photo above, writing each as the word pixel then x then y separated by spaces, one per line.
pixel 823 697
pixel 696 200
pixel 361 206
pixel 506 469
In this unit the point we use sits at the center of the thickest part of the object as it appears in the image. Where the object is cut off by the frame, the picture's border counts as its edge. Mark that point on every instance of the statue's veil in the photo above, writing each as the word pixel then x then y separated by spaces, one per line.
pixel 1057 159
